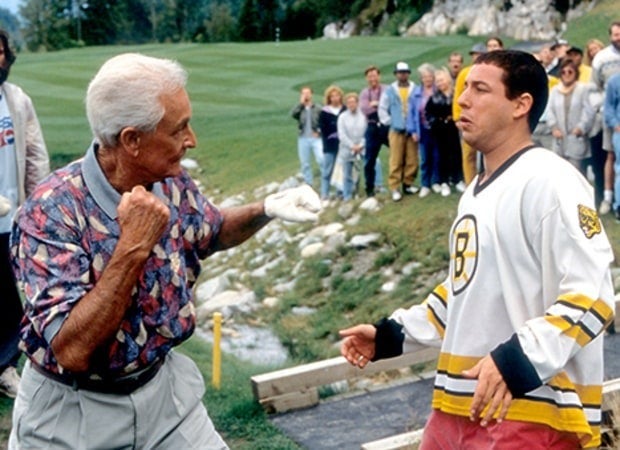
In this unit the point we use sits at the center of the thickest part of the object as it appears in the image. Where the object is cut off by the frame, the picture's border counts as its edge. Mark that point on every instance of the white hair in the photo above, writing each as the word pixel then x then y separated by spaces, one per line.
pixel 127 91
pixel 426 68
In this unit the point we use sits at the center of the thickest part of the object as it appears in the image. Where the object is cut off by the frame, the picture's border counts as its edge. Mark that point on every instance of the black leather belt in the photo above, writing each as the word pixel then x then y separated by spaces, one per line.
pixel 119 386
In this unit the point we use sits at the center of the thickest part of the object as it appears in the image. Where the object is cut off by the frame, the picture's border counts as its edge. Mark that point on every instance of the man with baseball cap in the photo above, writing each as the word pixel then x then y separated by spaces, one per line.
pixel 403 151
pixel 576 55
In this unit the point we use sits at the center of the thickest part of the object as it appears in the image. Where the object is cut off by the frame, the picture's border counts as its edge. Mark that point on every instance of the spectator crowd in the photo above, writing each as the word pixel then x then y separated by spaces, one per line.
pixel 416 120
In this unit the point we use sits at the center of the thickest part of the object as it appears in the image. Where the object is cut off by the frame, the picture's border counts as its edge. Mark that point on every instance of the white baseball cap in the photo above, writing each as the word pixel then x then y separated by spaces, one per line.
pixel 402 67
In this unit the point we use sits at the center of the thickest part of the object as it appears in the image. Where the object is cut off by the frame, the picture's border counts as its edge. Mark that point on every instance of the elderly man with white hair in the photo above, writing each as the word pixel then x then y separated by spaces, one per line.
pixel 108 249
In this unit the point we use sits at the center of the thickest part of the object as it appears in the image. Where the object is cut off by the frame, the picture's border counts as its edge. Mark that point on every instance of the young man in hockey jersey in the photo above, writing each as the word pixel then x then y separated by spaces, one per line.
pixel 521 315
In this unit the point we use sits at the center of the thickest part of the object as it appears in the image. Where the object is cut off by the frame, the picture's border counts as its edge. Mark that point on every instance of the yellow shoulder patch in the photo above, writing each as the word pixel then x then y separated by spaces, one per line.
pixel 588 221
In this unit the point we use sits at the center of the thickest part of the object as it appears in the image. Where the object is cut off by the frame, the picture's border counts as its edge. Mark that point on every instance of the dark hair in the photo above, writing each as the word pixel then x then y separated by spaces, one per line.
pixel 460 55
pixel 370 69
pixel 615 23
pixel 570 63
pixel 9 55
pixel 522 74
pixel 496 39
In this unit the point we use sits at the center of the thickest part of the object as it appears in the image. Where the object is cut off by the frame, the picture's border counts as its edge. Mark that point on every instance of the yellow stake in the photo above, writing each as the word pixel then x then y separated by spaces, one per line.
pixel 217 354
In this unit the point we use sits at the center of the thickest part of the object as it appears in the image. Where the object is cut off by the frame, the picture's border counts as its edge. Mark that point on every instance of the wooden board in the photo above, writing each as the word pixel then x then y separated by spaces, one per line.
pixel 320 373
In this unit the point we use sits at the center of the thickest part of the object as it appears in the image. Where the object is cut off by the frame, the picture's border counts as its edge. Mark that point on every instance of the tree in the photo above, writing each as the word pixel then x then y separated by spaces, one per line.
pixel 47 24
pixel 220 26
pixel 300 21
pixel 10 24
pixel 249 21
pixel 268 15
pixel 258 20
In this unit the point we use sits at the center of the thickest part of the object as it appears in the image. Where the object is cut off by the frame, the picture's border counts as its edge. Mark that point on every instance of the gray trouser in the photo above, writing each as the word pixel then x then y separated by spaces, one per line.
pixel 165 413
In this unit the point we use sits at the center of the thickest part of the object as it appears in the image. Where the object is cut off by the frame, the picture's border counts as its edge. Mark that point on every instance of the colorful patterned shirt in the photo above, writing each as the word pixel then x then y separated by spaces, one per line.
pixel 62 240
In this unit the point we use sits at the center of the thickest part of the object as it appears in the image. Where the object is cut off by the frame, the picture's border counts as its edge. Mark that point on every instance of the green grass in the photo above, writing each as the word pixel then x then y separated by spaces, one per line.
pixel 595 24
pixel 241 96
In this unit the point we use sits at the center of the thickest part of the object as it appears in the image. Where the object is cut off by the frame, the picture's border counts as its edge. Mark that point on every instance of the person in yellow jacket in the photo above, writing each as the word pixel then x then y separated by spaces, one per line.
pixel 469 154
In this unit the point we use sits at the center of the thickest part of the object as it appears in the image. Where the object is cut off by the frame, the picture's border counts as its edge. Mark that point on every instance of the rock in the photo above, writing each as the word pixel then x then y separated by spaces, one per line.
pixel 409 268
pixel 525 20
pixel 308 240
pixel 353 220
pixel 364 240
pixel 270 302
pixel 388 286
pixel 339 387
pixel 334 242
pixel 311 250
pixel 387 272
pixel 303 310
pixel 216 285
pixel 330 31
pixel 326 230
pixel 290 182
pixel 260 346
pixel 189 164
pixel 336 30
pixel 278 238
pixel 485 23
pixel 258 259
pixel 236 200
pixel 283 288
pixel 297 268
pixel 345 210
pixel 262 271
pixel 228 303
pixel 370 204
pixel 263 191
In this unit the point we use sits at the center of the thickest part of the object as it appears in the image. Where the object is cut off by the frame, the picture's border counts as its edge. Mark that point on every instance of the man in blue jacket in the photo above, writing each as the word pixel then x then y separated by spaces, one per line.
pixel 403 151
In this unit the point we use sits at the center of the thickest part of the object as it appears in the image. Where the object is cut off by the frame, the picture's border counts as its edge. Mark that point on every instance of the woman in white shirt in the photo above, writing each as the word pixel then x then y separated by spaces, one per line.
pixel 351 130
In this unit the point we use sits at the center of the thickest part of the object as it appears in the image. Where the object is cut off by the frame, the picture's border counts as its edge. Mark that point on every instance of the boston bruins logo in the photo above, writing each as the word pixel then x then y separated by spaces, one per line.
pixel 588 221
pixel 464 253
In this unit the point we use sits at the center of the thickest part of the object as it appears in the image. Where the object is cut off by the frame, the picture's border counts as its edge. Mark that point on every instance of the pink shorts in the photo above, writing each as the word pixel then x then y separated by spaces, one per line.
pixel 450 432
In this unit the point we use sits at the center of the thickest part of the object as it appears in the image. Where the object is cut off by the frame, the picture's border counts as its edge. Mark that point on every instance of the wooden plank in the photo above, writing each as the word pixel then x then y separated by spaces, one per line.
pixel 300 378
pixel 291 400
pixel 611 394
pixel 404 441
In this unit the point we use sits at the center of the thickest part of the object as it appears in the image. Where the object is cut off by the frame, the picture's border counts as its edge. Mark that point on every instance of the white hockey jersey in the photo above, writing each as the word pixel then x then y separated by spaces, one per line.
pixel 529 282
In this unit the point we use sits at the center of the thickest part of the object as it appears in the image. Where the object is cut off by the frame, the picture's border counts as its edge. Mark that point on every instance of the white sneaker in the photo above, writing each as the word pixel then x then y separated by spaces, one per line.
pixel 460 186
pixel 396 196
pixel 436 188
pixel 410 190
pixel 424 192
pixel 9 382
pixel 604 208
pixel 445 189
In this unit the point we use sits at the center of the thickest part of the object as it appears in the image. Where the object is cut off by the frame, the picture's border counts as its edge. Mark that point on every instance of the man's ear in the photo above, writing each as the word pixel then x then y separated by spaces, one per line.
pixel 523 105
pixel 129 139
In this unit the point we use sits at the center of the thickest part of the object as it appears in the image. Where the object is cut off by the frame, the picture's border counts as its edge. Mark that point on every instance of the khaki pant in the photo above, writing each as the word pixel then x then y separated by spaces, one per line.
pixel 403 160
pixel 165 413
